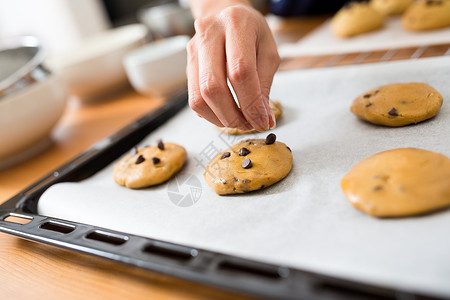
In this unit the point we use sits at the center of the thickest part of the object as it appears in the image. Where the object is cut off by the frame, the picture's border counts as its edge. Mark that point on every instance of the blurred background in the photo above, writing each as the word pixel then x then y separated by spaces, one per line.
pixel 62 24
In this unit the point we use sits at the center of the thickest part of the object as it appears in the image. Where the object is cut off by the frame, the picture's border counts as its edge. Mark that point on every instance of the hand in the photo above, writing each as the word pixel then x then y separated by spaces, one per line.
pixel 233 42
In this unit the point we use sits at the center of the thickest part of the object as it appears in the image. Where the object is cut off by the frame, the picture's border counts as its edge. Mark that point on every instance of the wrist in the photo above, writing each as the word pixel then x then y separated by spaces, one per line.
pixel 202 8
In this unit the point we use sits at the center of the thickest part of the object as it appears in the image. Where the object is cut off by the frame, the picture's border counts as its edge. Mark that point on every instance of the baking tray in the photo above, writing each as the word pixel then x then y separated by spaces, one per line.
pixel 194 264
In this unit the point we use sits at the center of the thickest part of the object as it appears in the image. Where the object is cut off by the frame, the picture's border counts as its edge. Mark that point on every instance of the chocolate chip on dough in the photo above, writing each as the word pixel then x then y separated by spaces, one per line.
pixel 150 166
pixel 270 139
pixel 264 166
pixel 140 159
pixel 160 145
pixel 225 155
pixel 244 151
pixel 247 164
pixel 398 104
pixel 393 112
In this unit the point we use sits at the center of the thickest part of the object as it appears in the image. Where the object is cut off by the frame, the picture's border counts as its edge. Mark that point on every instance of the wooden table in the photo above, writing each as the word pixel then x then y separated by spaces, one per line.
pixel 35 271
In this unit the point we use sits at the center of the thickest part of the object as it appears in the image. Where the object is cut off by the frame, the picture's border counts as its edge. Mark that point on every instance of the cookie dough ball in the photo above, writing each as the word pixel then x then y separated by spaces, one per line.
pixel 391 7
pixel 398 104
pixel 149 165
pixel 356 18
pixel 426 15
pixel 400 182
pixel 277 109
pixel 249 165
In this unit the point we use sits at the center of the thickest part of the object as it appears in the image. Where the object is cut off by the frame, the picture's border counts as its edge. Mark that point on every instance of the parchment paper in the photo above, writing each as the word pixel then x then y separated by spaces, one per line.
pixel 305 220
pixel 391 36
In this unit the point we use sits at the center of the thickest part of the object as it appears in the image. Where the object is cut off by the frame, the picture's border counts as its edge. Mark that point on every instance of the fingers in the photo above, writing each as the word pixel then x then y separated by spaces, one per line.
pixel 196 101
pixel 236 44
pixel 241 60
pixel 212 89
pixel 268 62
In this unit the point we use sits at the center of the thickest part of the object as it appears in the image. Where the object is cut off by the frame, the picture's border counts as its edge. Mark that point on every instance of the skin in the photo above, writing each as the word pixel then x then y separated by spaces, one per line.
pixel 233 41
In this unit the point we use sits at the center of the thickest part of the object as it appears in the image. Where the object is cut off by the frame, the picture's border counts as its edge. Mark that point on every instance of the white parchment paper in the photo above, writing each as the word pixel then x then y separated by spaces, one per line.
pixel 305 220
pixel 391 36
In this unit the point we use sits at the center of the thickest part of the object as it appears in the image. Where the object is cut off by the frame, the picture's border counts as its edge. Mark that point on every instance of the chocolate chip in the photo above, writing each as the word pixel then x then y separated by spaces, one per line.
pixel 155 160
pixel 247 164
pixel 369 104
pixel 234 179
pixel 140 159
pixel 246 181
pixel 367 95
pixel 434 2
pixel 393 112
pixel 160 145
pixel 262 186
pixel 244 151
pixel 289 149
pixel 225 155
pixel 133 151
pixel 376 92
pixel 377 188
pixel 270 139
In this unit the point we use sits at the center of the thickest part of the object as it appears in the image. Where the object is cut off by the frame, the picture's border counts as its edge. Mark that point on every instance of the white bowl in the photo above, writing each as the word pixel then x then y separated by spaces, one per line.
pixel 27 118
pixel 158 68
pixel 167 19
pixel 95 67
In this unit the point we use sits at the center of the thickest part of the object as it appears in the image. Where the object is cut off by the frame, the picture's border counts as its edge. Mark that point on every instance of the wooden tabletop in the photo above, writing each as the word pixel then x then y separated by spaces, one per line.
pixel 34 271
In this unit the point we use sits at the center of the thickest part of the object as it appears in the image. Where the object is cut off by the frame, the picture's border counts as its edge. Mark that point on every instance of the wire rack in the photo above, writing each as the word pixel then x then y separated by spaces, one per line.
pixel 332 60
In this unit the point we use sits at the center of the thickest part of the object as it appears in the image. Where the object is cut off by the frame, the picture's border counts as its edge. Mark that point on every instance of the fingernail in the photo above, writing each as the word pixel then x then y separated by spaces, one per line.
pixel 273 119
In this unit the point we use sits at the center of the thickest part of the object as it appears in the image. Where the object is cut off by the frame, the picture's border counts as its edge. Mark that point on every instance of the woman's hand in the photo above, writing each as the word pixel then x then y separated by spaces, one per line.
pixel 232 41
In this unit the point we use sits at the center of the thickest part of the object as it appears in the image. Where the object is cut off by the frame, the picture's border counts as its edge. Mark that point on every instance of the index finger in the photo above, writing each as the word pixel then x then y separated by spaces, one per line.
pixel 243 76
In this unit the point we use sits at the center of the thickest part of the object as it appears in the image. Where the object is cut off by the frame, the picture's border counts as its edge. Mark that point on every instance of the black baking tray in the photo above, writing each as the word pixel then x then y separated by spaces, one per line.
pixel 198 265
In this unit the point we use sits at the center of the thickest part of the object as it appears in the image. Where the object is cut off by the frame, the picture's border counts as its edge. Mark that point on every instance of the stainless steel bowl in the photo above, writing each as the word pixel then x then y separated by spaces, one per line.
pixel 21 61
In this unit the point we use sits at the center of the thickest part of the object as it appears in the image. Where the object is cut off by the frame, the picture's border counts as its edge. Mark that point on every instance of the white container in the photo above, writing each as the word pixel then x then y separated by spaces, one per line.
pixel 95 67
pixel 27 118
pixel 158 68
pixel 167 19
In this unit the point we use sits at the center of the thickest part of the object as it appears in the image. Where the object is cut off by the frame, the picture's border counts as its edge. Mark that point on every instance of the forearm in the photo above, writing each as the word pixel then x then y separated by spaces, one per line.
pixel 201 8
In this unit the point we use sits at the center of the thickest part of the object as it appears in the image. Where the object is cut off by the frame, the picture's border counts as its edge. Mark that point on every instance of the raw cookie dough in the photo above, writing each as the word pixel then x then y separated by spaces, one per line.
pixel 426 15
pixel 391 7
pixel 399 182
pixel 398 104
pixel 356 18
pixel 277 109
pixel 249 165
pixel 149 165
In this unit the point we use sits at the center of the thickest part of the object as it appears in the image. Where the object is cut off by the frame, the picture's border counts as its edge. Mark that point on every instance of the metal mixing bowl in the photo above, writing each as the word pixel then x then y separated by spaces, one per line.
pixel 31 100
pixel 21 64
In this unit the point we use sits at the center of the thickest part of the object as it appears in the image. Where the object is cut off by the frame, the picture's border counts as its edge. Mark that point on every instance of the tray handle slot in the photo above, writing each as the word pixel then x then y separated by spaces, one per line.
pixel 267 272
pixel 57 227
pixel 18 219
pixel 329 288
pixel 107 237
pixel 173 252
